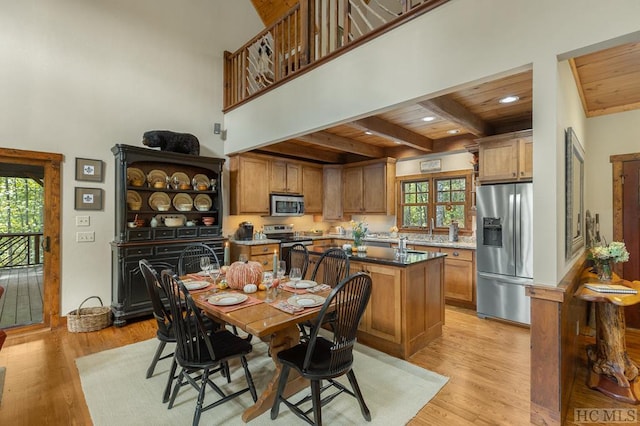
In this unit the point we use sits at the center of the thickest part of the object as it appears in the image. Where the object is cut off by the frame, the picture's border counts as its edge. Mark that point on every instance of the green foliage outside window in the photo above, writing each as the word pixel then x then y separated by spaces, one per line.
pixel 21 205
pixel 443 198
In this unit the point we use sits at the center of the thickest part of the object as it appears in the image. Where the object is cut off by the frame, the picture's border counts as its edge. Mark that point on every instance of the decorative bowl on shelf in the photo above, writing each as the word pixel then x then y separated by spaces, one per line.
pixel 208 221
pixel 174 221
pixel 131 224
pixel 162 207
pixel 184 207
pixel 134 205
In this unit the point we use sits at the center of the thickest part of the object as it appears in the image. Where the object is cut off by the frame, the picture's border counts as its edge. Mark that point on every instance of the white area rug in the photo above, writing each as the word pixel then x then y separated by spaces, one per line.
pixel 117 392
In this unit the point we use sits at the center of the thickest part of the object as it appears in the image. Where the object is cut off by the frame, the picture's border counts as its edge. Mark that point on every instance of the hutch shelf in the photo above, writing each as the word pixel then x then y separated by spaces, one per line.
pixel 173 200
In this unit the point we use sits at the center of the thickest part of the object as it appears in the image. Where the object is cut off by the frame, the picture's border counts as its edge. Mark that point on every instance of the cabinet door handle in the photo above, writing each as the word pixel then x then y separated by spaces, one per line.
pixel 455 253
pixel 514 174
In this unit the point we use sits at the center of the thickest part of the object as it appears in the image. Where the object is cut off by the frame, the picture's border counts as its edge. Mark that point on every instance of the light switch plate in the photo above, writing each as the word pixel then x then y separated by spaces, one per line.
pixel 82 221
pixel 85 237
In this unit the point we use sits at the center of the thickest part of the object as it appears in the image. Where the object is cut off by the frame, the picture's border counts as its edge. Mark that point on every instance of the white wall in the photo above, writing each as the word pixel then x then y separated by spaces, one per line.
pixel 570 114
pixel 78 77
pixel 431 55
pixel 608 135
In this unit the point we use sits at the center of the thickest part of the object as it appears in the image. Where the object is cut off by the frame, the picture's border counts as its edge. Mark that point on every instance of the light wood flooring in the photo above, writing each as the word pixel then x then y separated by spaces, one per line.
pixel 487 363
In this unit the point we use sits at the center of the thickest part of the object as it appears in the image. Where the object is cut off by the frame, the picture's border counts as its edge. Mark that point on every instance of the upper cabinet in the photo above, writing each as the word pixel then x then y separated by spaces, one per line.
pixel 249 184
pixel 285 177
pixel 332 193
pixel 312 187
pixel 507 157
pixel 255 176
pixel 368 187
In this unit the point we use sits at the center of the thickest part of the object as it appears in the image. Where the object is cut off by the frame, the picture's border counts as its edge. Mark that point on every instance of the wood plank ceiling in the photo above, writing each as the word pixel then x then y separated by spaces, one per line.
pixel 608 82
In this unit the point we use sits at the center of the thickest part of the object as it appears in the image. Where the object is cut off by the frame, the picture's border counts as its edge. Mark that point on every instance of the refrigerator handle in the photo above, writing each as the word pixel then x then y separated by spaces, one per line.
pixel 517 232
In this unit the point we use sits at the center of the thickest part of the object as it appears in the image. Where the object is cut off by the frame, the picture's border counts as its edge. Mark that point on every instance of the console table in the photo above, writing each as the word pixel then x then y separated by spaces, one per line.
pixel 611 370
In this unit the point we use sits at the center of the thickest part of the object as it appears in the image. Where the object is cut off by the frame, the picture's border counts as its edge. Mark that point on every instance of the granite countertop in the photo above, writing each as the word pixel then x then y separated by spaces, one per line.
pixel 435 241
pixel 384 256
pixel 254 242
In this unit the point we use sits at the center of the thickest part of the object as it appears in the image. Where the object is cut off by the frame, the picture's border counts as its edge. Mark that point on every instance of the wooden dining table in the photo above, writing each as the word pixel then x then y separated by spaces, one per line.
pixel 272 325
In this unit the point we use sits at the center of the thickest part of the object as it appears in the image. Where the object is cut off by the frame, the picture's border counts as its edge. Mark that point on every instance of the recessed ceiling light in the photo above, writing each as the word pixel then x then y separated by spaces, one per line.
pixel 453 131
pixel 368 133
pixel 509 99
pixel 428 118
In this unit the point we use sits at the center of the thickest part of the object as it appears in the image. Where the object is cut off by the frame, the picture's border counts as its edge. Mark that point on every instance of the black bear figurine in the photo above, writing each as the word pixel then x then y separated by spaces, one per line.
pixel 167 140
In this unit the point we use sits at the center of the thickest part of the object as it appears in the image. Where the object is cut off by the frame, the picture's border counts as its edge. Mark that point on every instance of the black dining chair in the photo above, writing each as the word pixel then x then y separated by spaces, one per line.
pixel 164 321
pixel 323 359
pixel 298 258
pixel 200 353
pixel 189 260
pixel 332 268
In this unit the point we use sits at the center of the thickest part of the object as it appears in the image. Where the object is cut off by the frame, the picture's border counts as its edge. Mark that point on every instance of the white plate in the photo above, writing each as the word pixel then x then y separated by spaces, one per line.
pixel 301 284
pixel 196 285
pixel 306 300
pixel 227 299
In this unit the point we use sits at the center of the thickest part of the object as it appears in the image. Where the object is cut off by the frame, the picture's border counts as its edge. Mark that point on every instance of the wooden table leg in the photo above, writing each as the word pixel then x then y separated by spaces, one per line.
pixel 611 370
pixel 280 341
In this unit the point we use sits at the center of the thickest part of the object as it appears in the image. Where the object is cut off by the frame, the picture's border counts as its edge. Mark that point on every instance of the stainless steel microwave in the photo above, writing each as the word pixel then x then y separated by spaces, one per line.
pixel 287 205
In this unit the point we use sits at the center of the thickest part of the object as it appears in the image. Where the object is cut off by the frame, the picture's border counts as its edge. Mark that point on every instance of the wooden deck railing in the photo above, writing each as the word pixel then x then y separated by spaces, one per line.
pixel 20 249
pixel 313 31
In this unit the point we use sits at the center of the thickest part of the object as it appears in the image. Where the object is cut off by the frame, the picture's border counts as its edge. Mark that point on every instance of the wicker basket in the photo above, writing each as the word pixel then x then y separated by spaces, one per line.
pixel 89 319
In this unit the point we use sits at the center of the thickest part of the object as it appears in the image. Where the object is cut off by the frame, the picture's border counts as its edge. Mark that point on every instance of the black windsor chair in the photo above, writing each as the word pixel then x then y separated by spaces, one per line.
pixel 200 353
pixel 322 359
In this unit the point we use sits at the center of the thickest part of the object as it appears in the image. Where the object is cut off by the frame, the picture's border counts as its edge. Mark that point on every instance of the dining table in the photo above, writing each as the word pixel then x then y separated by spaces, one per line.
pixel 267 322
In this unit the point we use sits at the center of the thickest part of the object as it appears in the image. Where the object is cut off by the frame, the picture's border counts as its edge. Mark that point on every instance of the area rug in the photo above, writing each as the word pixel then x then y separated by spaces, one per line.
pixel 117 392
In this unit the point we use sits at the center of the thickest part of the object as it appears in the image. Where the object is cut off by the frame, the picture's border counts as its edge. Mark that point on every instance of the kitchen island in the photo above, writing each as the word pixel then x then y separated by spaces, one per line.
pixel 406 309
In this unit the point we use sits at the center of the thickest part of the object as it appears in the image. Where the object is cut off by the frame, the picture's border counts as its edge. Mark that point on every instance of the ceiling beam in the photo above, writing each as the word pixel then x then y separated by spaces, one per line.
pixel 332 141
pixel 291 149
pixel 389 130
pixel 452 144
pixel 448 109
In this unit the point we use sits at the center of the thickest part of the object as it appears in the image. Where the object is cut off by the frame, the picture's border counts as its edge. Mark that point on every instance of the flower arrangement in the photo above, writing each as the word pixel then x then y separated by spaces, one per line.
pixel 359 230
pixel 616 252
pixel 603 255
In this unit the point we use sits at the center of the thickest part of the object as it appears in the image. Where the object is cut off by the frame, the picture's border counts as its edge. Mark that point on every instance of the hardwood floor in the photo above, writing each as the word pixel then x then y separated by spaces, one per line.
pixel 487 363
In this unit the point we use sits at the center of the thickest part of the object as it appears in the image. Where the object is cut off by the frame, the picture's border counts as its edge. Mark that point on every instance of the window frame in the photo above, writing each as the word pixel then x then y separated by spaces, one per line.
pixel 432 202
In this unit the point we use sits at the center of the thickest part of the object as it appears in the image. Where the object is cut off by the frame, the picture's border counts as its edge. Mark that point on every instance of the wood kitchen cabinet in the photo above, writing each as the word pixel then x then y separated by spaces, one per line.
pixel 261 253
pixel 332 193
pixel 249 184
pixel 383 315
pixel 312 188
pixel 459 275
pixel 507 157
pixel 368 187
pixel 285 177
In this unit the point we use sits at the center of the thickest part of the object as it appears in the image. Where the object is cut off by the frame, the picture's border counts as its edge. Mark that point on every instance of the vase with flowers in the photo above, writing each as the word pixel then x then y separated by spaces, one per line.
pixel 603 257
pixel 358 231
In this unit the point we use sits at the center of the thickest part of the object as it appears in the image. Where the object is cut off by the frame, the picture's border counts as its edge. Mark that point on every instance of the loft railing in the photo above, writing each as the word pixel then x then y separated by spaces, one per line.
pixel 20 249
pixel 313 31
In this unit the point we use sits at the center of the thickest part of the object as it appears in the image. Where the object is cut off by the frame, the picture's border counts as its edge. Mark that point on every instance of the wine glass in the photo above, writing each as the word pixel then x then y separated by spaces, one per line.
pixel 267 281
pixel 282 269
pixel 214 272
pixel 295 275
pixel 205 264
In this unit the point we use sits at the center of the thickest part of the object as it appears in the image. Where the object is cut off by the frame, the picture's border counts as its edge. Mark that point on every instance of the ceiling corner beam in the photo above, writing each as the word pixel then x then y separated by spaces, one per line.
pixel 340 143
pixel 386 129
pixel 448 109
pixel 293 150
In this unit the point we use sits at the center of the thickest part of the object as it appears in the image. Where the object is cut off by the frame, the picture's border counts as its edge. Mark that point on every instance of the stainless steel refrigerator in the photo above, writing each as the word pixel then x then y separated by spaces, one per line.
pixel 504 250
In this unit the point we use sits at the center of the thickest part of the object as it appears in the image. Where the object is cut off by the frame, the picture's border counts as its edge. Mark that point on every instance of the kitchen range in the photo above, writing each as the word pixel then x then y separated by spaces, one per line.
pixel 287 237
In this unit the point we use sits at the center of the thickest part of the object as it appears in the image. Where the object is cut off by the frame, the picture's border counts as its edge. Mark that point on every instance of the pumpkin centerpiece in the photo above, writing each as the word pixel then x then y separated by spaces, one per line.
pixel 241 273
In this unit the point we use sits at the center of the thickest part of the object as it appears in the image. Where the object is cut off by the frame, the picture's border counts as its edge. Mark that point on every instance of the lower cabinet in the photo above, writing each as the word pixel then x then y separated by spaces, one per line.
pixel 383 315
pixel 129 293
pixel 459 275
pixel 261 253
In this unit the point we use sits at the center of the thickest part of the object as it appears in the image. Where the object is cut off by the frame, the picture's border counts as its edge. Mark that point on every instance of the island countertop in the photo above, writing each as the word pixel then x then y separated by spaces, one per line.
pixel 384 256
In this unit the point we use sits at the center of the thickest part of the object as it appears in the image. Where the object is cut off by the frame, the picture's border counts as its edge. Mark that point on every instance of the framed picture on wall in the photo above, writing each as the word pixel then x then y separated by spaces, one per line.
pixel 89 170
pixel 88 199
